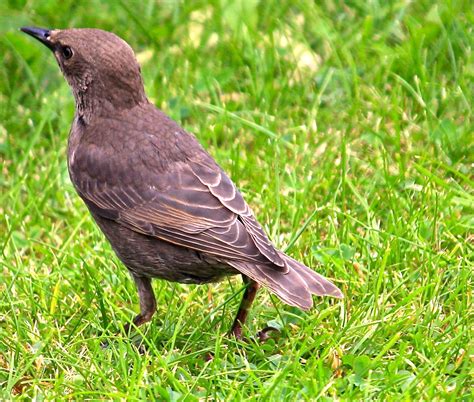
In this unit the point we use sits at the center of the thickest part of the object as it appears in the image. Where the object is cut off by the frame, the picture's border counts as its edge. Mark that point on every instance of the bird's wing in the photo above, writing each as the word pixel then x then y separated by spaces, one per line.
pixel 193 204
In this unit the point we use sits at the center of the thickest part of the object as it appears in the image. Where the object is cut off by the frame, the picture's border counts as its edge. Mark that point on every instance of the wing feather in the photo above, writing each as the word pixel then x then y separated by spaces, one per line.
pixel 222 188
pixel 192 204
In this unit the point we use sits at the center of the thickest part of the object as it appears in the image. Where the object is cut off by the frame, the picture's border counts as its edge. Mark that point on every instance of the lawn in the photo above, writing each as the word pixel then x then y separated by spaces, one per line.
pixel 348 128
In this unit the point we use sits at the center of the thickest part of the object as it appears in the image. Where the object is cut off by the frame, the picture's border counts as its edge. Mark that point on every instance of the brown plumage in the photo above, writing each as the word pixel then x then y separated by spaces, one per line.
pixel 167 208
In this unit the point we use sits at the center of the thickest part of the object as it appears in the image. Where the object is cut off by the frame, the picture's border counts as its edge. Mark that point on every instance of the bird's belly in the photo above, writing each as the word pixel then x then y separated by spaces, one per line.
pixel 151 257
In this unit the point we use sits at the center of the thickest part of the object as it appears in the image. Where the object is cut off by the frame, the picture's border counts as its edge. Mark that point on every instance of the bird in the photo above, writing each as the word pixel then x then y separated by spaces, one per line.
pixel 167 208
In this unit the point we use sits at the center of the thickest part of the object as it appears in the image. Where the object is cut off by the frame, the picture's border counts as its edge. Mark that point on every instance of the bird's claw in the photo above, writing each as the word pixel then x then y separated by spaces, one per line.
pixel 264 334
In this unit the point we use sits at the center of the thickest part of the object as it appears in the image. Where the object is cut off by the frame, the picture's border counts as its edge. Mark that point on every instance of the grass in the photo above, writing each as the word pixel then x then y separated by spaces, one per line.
pixel 349 129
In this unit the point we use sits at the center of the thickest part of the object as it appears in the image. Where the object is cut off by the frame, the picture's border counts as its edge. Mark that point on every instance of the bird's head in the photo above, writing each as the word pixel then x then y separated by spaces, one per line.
pixel 100 67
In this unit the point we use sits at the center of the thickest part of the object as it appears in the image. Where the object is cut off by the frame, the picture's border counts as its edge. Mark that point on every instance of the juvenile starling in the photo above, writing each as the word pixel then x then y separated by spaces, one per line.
pixel 167 208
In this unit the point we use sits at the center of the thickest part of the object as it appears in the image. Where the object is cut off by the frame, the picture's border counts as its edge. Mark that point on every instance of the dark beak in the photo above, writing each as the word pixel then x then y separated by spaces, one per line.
pixel 40 34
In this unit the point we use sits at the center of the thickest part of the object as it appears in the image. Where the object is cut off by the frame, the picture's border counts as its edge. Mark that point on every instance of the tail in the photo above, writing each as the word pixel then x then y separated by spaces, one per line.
pixel 294 287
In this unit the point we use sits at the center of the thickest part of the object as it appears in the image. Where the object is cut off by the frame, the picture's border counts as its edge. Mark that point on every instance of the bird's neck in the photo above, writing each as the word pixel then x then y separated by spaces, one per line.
pixel 99 97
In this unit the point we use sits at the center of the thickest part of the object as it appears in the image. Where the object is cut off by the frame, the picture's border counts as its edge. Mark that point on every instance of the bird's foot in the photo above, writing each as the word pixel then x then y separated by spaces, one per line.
pixel 262 336
pixel 265 334
pixel 236 332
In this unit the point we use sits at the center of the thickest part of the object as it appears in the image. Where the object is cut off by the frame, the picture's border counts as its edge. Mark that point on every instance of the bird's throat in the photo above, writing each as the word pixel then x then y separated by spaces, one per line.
pixel 94 98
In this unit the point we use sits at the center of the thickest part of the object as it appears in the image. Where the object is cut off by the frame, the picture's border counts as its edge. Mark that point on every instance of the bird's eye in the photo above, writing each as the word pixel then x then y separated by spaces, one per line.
pixel 67 52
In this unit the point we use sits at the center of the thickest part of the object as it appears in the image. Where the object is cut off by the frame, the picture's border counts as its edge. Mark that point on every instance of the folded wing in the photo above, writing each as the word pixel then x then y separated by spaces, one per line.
pixel 193 204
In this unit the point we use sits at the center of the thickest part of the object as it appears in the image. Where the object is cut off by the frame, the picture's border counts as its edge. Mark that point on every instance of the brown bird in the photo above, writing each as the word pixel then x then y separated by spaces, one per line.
pixel 167 208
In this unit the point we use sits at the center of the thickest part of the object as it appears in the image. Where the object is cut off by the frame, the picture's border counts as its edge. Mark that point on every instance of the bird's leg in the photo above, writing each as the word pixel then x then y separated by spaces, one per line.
pixel 247 299
pixel 147 301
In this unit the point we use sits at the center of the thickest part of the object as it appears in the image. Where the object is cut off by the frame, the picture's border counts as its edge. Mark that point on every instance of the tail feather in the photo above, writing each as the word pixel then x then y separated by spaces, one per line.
pixel 317 283
pixel 294 287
